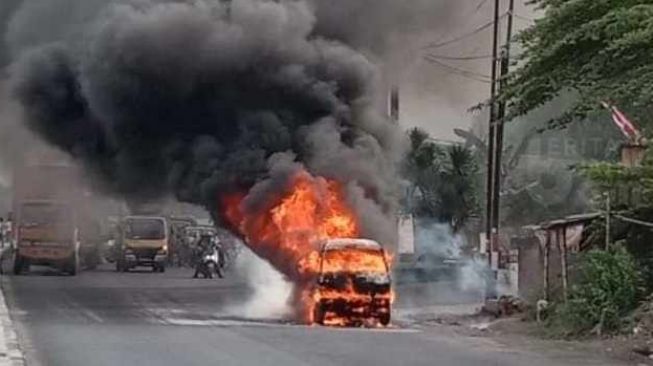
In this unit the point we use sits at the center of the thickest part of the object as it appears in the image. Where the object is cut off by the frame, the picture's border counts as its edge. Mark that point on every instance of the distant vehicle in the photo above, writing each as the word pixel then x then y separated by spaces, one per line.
pixel 429 267
pixel 353 284
pixel 46 204
pixel 91 241
pixel 143 241
pixel 196 231
pixel 182 222
pixel 47 235
pixel 187 243
pixel 178 227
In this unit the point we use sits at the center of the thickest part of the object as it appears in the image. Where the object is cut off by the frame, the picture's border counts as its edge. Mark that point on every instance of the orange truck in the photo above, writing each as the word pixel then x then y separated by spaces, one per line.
pixel 45 206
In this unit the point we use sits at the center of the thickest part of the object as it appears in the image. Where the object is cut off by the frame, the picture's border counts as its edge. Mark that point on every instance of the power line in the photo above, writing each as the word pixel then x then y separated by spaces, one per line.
pixel 480 5
pixel 461 72
pixel 462 37
pixel 461 58
pixel 468 72
pixel 521 17
pixel 467 16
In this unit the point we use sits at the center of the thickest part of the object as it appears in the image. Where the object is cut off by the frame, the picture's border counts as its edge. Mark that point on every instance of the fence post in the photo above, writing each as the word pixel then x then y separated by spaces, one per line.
pixel 562 246
pixel 546 264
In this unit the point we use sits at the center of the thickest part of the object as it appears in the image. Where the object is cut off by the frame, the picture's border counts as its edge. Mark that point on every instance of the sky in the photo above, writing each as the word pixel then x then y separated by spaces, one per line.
pixel 437 98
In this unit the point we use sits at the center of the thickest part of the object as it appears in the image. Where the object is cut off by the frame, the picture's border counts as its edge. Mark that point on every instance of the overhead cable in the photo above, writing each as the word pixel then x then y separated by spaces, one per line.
pixel 460 58
pixel 458 71
pixel 462 37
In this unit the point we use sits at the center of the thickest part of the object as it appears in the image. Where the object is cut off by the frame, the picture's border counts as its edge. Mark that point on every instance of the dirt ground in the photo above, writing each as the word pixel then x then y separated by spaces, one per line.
pixel 517 332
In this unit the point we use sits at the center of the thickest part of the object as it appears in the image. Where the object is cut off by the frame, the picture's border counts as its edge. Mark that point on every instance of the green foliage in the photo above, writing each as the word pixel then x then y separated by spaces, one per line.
pixel 594 49
pixel 610 177
pixel 443 180
pixel 631 192
pixel 607 290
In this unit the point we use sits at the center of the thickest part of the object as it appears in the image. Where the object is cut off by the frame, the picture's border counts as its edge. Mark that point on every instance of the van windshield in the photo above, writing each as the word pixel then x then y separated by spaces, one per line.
pixel 145 229
pixel 354 260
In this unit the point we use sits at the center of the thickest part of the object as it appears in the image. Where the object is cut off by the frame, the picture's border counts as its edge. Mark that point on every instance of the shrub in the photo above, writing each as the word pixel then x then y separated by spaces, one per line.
pixel 607 289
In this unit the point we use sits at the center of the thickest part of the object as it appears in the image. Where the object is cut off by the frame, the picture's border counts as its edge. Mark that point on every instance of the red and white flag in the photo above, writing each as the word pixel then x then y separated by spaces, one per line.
pixel 625 125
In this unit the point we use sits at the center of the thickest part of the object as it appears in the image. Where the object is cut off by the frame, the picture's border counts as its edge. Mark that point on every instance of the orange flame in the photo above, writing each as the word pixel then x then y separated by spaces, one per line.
pixel 287 233
pixel 314 209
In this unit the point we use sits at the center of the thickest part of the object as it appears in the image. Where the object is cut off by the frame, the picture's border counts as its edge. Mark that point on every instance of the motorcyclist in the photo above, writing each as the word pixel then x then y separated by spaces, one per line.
pixel 207 244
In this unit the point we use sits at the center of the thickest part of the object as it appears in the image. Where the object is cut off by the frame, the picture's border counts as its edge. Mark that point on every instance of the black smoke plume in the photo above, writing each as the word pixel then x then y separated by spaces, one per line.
pixel 193 98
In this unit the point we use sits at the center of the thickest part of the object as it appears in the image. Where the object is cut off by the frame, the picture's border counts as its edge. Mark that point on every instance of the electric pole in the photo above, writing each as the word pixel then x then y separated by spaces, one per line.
pixel 491 137
pixel 499 123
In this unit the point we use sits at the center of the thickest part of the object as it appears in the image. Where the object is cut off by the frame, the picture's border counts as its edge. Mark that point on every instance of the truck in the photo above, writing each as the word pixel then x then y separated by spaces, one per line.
pixel 46 218
pixel 142 241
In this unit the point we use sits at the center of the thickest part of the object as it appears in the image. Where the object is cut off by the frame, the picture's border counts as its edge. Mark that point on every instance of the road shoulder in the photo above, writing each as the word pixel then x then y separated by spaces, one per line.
pixel 514 333
pixel 10 351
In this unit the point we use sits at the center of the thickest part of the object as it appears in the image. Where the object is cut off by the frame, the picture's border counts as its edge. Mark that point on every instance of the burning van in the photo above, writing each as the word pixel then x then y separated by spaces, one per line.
pixel 353 285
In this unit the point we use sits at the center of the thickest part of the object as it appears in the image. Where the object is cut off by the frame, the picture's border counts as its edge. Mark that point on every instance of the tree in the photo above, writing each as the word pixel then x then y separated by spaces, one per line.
pixel 631 193
pixel 443 181
pixel 587 51
pixel 606 290
pixel 537 181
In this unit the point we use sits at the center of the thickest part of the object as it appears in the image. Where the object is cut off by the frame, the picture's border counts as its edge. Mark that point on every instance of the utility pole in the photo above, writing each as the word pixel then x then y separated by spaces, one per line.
pixel 394 103
pixel 491 138
pixel 498 145
pixel 607 220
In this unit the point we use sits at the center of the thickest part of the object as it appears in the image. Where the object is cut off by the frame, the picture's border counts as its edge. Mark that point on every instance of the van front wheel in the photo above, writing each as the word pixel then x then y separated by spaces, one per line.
pixel 384 319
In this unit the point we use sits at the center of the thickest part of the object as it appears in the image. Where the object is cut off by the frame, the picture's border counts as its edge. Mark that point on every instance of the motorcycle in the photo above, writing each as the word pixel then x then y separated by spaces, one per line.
pixel 208 264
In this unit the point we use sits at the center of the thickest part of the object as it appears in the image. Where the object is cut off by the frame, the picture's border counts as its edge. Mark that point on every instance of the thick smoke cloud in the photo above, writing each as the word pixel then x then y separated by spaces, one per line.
pixel 194 98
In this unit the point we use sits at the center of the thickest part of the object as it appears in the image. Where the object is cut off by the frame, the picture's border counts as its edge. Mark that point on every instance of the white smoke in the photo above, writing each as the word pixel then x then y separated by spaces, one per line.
pixel 270 290
pixel 437 242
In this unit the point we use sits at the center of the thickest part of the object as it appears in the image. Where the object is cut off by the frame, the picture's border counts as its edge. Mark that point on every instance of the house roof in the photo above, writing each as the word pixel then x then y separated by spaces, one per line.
pixel 570 220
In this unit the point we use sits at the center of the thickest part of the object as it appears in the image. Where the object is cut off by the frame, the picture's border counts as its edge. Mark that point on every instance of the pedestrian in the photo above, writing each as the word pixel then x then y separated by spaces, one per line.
pixel 9 232
pixel 3 237
pixel 3 232
pixel 221 255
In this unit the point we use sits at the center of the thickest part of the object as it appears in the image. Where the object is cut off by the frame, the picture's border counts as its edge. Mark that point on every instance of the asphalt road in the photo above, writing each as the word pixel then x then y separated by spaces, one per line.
pixel 107 318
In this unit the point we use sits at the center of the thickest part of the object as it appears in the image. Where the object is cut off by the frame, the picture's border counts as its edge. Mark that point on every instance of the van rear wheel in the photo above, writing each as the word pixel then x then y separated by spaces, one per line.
pixel 318 314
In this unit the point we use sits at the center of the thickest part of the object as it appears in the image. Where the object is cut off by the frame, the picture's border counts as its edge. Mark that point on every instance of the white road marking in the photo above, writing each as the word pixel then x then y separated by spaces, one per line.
pixel 376 330
pixel 90 314
pixel 258 324
pixel 222 323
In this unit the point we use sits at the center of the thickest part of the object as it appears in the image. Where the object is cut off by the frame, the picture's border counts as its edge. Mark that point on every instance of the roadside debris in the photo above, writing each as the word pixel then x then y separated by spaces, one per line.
pixel 505 305
pixel 540 309
pixel 642 334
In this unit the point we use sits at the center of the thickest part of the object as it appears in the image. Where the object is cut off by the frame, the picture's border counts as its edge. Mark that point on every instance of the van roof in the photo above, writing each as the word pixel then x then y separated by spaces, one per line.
pixel 341 243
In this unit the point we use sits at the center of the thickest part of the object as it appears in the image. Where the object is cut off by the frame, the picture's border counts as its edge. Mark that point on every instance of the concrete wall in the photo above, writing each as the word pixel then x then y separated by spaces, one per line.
pixel 530 269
